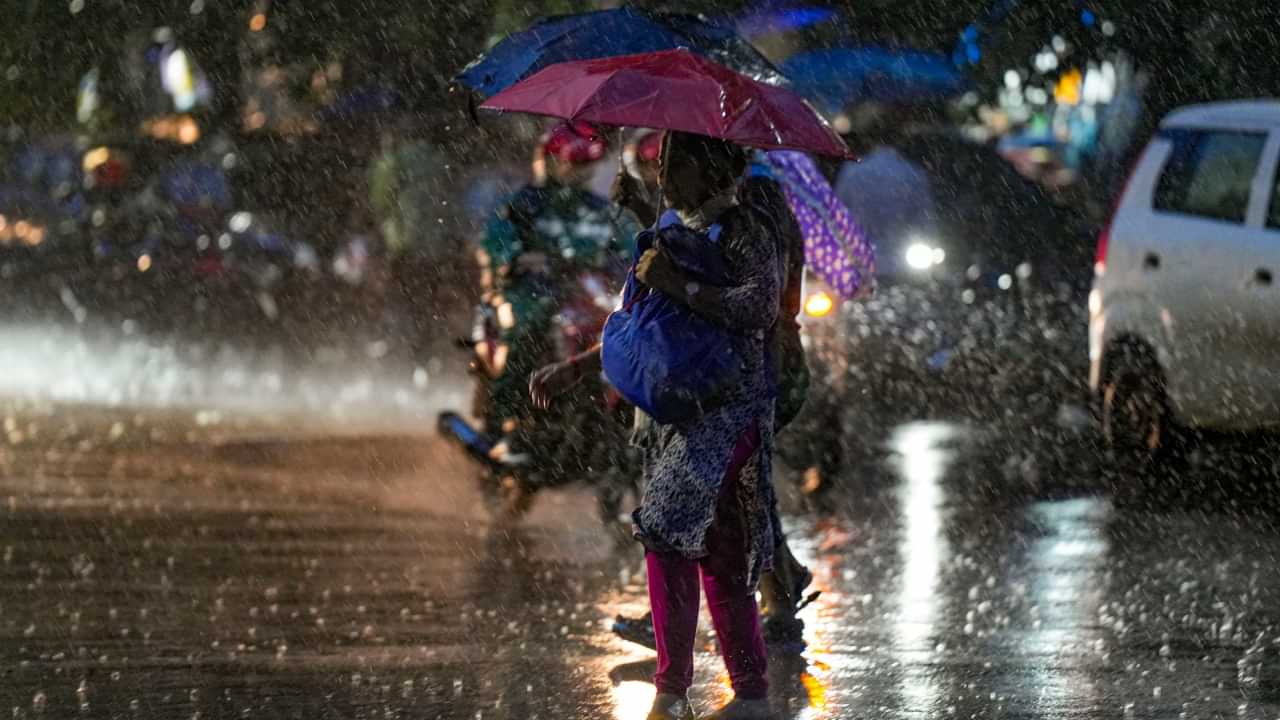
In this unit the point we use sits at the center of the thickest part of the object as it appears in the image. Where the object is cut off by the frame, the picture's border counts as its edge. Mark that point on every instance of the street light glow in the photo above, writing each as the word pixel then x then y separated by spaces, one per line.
pixel 920 256
pixel 818 305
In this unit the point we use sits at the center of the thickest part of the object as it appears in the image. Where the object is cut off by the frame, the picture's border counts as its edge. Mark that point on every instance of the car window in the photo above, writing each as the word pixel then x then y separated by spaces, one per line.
pixel 1209 173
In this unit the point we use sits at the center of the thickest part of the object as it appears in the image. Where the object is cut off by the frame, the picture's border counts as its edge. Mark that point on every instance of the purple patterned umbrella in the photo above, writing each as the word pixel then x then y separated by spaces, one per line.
pixel 836 248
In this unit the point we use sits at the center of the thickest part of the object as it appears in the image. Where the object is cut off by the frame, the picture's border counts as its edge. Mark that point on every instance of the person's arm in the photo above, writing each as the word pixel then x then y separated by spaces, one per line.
pixel 752 304
pixel 630 194
pixel 551 381
pixel 587 362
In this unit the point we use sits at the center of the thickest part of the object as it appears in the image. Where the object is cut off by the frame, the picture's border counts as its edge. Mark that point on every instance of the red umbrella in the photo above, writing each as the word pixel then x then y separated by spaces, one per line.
pixel 673 90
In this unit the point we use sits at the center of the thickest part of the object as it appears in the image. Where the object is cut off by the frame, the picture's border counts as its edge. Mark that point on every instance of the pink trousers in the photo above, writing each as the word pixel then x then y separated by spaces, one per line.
pixel 673 595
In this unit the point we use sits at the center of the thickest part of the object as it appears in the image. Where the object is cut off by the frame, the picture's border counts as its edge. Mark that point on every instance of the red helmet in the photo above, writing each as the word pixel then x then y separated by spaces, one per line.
pixel 649 147
pixel 575 143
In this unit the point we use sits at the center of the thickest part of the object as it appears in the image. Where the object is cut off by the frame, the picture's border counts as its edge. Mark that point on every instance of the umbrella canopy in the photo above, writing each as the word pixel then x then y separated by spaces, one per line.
pixel 837 77
pixel 674 90
pixel 775 18
pixel 836 248
pixel 609 33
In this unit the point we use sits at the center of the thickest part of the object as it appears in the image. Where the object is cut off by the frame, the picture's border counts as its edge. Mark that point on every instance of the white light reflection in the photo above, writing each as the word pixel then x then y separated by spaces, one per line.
pixel 632 699
pixel 920 256
pixel 94 366
pixel 1067 569
pixel 922 549
pixel 179 80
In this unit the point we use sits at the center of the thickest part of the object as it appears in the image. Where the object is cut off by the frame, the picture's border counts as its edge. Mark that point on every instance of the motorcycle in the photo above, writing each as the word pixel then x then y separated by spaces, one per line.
pixel 583 437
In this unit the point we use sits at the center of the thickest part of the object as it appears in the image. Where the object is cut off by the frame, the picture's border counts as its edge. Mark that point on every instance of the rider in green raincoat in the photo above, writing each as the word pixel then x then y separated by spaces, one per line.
pixel 536 247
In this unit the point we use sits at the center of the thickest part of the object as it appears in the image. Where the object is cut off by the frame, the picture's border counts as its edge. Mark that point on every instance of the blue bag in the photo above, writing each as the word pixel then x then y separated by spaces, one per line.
pixel 657 353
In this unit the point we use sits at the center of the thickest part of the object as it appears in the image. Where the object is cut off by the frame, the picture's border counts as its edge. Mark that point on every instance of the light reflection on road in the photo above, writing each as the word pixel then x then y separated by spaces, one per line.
pixel 1068 568
pixel 631 700
pixel 339 389
pixel 922 550
pixel 951 589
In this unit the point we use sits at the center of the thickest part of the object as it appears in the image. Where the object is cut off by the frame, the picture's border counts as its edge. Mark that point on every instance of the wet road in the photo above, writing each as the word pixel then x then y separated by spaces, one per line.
pixel 233 576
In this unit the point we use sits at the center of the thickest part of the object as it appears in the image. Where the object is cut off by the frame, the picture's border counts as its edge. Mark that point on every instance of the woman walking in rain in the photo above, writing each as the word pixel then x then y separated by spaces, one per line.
pixel 708 500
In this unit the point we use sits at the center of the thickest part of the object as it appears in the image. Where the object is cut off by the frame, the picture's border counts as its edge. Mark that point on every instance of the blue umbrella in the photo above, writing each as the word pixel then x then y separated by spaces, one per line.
pixel 609 33
pixel 838 77
pixel 773 19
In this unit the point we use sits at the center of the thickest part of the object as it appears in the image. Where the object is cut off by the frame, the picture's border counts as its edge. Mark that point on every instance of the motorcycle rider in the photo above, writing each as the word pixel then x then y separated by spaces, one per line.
pixel 536 247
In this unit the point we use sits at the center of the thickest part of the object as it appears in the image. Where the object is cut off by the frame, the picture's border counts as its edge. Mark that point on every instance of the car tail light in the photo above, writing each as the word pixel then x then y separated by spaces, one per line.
pixel 1100 256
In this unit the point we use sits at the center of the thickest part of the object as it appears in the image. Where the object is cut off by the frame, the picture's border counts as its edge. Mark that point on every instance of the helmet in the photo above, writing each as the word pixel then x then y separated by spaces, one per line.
pixel 642 151
pixel 649 147
pixel 577 143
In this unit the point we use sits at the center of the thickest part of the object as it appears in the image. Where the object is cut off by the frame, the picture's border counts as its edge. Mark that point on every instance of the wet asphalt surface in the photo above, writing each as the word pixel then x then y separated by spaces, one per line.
pixel 155 563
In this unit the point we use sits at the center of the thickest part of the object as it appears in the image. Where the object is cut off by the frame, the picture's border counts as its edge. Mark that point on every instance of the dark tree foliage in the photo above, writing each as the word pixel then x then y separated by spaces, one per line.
pixel 47 47
pixel 1192 49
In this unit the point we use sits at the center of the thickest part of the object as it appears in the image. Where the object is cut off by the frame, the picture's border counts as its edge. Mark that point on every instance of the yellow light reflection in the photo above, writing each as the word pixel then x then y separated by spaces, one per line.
pixel 95 158
pixel 817 691
pixel 819 304
pixel 188 131
pixel 824 615
pixel 179 128
pixel 723 688
pixel 1069 87
pixel 159 128
pixel 632 699
pixel 258 22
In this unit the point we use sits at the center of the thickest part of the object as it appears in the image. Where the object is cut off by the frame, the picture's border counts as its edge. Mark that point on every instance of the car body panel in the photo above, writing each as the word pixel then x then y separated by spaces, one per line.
pixel 1197 289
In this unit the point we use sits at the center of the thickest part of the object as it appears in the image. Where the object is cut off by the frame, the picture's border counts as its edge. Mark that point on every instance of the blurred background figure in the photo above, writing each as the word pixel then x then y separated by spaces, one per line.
pixel 408 182
pixel 888 194
pixel 552 259
pixel 404 182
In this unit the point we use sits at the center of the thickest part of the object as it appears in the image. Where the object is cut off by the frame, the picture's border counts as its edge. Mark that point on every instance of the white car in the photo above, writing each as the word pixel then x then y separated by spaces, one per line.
pixel 1185 309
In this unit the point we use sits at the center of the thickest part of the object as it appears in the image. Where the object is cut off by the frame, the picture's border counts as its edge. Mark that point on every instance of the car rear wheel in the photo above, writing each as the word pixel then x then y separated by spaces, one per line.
pixel 1134 408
